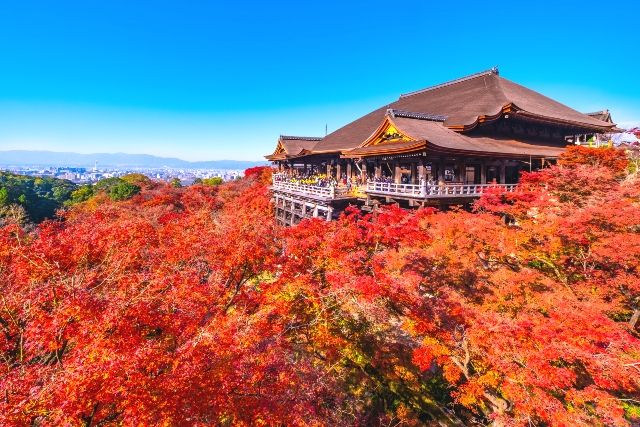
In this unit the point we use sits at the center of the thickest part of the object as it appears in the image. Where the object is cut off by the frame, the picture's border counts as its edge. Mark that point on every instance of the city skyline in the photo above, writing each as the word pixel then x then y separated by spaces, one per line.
pixel 210 82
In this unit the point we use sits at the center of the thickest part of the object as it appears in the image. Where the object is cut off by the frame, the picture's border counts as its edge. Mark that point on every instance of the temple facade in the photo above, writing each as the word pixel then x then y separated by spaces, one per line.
pixel 438 146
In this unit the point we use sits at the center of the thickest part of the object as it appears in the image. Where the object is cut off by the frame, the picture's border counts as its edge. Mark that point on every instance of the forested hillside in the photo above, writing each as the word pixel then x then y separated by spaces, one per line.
pixel 189 306
pixel 35 198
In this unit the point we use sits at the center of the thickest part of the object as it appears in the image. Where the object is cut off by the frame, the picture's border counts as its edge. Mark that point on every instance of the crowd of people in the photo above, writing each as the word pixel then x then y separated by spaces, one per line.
pixel 320 180
pixel 323 180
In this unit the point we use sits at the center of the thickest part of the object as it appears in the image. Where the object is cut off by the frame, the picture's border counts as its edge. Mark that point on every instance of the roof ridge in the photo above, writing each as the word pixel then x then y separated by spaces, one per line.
pixel 493 70
pixel 301 138
pixel 416 115
pixel 606 110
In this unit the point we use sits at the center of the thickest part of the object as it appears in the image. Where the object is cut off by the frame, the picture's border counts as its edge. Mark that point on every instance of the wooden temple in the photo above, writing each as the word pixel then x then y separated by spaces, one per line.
pixel 439 146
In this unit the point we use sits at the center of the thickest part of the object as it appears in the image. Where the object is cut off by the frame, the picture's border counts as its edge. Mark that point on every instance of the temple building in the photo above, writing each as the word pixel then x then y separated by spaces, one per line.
pixel 437 146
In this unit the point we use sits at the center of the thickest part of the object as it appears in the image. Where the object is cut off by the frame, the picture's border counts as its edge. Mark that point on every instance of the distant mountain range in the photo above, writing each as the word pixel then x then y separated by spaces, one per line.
pixel 121 160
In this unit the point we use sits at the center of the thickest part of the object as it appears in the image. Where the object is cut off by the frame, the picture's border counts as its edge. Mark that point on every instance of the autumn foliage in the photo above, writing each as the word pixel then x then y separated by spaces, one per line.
pixel 189 306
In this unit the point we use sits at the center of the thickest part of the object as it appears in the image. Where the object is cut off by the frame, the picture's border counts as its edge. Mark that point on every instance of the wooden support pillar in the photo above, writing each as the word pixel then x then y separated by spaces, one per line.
pixel 414 173
pixel 396 172
pixel 378 170
pixel 364 172
pixel 483 173
pixel 440 171
pixel 503 172
pixel 328 169
pixel 460 171
pixel 338 171
pixel 349 168
pixel 293 215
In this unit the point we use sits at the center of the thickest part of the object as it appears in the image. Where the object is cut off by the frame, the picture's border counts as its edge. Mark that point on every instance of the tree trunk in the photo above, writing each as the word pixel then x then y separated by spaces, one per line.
pixel 635 319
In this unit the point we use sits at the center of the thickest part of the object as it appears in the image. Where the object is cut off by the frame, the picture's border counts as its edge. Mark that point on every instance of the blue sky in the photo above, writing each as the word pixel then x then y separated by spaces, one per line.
pixel 203 80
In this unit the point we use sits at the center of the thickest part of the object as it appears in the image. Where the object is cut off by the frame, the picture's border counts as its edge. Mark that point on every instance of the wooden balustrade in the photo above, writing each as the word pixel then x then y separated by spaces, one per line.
pixel 328 192
pixel 427 191
pixel 393 189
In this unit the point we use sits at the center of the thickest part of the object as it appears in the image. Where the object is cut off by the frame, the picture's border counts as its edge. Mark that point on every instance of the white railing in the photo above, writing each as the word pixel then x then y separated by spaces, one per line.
pixel 417 190
pixel 328 192
pixel 389 187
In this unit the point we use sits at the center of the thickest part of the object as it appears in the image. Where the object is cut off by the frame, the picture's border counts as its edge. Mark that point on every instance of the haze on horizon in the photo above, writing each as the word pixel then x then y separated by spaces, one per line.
pixel 207 81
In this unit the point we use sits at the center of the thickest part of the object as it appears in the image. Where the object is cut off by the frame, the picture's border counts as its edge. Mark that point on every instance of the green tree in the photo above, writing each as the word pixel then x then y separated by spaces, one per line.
pixel 213 181
pixel 123 191
pixel 117 188
pixel 136 179
pixel 106 183
pixel 80 195
pixel 4 196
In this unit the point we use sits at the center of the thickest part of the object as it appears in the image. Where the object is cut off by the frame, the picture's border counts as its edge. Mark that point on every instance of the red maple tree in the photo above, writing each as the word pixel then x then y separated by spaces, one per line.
pixel 189 306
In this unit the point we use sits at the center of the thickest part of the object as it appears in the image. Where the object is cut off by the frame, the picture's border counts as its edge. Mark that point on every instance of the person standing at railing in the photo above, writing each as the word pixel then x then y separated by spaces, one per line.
pixel 430 185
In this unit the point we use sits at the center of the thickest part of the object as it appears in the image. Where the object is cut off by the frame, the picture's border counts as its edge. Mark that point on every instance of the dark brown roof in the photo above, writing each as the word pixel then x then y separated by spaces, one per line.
pixel 463 102
pixel 603 115
pixel 292 146
pixel 433 136
pixel 351 135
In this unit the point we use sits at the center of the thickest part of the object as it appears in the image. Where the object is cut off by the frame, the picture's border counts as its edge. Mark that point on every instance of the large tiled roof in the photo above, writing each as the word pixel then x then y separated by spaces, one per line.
pixel 431 135
pixel 441 138
pixel 463 102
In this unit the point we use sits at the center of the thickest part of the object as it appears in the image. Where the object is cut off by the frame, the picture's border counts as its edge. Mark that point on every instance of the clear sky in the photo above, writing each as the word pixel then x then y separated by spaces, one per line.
pixel 204 80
